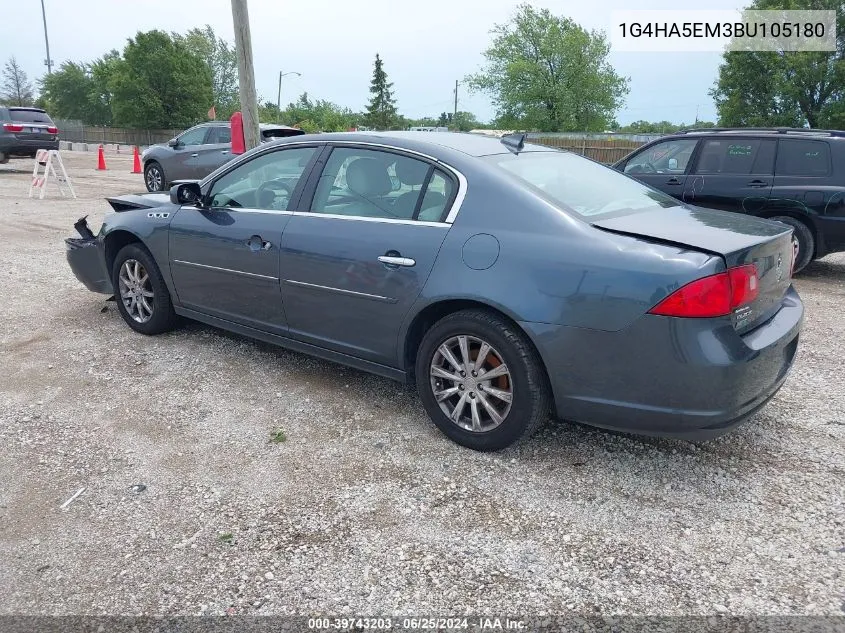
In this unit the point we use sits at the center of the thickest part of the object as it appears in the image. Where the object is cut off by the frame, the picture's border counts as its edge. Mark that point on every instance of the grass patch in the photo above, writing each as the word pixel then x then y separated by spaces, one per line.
pixel 227 538
pixel 278 436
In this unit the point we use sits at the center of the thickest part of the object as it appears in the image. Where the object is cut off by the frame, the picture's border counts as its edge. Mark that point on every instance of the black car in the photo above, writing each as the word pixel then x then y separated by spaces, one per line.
pixel 23 131
pixel 795 176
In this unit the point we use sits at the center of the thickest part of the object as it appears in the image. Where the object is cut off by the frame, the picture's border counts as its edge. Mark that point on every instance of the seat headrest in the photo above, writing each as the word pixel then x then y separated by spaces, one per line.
pixel 368 176
pixel 411 172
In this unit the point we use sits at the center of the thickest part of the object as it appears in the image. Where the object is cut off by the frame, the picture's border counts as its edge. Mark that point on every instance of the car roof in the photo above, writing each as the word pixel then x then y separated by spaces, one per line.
pixel 465 142
pixel 756 131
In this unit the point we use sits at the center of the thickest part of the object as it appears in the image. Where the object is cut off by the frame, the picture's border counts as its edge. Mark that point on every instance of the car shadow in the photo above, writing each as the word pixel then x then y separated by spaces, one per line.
pixel 561 451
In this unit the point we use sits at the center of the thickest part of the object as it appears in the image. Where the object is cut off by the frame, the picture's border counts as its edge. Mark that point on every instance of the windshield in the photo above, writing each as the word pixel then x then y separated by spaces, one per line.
pixel 579 185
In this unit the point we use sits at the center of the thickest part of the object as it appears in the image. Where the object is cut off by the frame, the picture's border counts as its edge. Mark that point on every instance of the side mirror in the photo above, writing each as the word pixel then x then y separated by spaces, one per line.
pixel 174 142
pixel 186 193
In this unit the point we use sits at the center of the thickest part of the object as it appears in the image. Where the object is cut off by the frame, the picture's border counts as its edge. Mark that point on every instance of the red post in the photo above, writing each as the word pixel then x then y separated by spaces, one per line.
pixel 237 125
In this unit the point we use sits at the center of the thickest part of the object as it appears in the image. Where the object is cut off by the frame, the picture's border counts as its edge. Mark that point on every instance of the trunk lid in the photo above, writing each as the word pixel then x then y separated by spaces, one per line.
pixel 739 239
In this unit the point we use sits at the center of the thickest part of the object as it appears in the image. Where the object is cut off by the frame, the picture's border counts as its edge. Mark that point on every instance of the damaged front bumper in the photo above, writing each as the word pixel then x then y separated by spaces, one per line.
pixel 87 259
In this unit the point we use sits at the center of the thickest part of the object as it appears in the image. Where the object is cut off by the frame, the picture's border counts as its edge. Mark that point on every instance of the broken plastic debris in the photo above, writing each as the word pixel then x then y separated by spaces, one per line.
pixel 138 488
pixel 69 501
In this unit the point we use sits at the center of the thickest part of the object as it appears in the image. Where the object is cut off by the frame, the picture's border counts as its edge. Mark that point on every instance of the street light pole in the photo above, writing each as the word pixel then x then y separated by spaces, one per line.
pixel 279 97
pixel 46 39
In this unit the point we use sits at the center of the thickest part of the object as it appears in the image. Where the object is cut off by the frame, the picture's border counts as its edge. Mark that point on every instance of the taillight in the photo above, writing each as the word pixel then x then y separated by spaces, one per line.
pixel 713 296
pixel 11 127
pixel 795 249
pixel 52 130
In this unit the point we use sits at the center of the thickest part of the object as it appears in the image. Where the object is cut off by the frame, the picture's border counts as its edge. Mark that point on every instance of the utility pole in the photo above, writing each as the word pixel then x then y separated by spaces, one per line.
pixel 279 97
pixel 246 73
pixel 46 39
pixel 455 113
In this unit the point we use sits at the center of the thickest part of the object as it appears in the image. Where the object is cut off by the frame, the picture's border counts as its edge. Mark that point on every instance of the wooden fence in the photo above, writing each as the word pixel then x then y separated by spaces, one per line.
pixel 604 150
pixel 77 132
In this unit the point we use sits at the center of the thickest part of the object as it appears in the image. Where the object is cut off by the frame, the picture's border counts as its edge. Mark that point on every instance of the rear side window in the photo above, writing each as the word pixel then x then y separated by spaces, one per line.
pixel 802 158
pixel 29 116
pixel 736 156
pixel 220 134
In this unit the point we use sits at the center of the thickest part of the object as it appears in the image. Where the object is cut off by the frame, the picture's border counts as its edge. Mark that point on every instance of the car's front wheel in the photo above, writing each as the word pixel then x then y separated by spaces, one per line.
pixel 140 292
pixel 154 177
pixel 481 381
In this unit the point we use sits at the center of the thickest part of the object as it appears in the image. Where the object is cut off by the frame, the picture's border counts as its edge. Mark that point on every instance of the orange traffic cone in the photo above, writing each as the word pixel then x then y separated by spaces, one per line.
pixel 101 159
pixel 136 161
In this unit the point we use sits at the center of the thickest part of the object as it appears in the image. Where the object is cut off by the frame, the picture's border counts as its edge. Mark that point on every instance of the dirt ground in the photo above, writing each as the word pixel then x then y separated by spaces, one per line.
pixel 188 507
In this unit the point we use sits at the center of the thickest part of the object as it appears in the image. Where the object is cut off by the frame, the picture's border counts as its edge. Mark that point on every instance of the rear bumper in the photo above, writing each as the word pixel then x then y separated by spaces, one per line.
pixel 687 378
pixel 20 147
pixel 87 260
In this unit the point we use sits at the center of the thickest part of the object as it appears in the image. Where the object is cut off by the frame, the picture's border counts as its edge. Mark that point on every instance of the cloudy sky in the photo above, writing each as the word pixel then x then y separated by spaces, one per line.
pixel 426 46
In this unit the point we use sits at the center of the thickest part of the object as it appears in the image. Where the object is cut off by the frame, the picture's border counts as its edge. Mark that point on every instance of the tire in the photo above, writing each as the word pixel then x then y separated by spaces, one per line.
pixel 152 293
pixel 806 240
pixel 526 380
pixel 154 177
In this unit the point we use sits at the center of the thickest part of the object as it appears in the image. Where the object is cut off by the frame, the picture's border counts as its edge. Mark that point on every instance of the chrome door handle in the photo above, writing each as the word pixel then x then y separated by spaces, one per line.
pixel 225 151
pixel 396 261
pixel 194 155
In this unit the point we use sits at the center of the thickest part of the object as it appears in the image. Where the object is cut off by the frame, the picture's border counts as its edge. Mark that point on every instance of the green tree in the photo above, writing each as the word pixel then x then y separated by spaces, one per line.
pixel 16 89
pixel 381 111
pixel 545 72
pixel 81 91
pixel 465 121
pixel 783 88
pixel 222 61
pixel 160 83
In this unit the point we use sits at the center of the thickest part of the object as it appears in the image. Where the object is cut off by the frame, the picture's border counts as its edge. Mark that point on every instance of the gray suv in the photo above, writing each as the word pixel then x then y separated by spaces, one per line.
pixel 197 152
pixel 23 131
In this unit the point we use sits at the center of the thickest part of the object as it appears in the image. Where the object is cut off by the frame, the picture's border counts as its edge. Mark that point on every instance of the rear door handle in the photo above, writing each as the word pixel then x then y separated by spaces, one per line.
pixel 758 183
pixel 391 260
pixel 225 151
pixel 257 243
pixel 194 155
pixel 673 181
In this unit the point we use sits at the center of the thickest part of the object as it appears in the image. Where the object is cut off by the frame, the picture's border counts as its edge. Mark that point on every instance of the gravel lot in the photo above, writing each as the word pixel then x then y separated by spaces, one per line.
pixel 366 508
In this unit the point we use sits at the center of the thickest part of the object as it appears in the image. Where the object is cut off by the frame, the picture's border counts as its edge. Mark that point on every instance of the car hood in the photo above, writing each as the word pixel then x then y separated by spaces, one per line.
pixel 139 201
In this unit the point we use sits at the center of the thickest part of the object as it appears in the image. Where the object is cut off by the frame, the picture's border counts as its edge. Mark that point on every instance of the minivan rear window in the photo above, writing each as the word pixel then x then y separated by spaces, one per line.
pixel 29 116
pixel 580 185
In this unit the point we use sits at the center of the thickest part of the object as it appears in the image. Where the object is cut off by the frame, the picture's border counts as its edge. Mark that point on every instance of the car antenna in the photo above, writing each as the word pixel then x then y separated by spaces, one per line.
pixel 514 142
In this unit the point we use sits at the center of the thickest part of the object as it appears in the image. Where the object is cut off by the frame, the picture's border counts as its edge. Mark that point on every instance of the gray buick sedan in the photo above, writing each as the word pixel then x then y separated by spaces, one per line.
pixel 507 281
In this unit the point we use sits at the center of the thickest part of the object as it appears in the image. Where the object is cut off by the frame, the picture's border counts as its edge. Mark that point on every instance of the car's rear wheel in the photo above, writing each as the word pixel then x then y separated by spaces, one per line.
pixel 803 234
pixel 142 297
pixel 154 177
pixel 481 381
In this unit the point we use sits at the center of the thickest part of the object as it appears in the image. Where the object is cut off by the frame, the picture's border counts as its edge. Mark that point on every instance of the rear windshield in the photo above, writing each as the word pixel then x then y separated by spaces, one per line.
pixel 579 185
pixel 29 116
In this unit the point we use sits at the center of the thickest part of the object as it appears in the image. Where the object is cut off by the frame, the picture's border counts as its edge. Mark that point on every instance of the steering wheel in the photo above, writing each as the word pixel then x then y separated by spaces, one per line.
pixel 276 186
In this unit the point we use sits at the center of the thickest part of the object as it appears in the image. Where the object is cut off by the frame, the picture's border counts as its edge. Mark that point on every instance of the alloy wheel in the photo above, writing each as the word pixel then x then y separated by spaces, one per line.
pixel 472 383
pixel 154 179
pixel 136 290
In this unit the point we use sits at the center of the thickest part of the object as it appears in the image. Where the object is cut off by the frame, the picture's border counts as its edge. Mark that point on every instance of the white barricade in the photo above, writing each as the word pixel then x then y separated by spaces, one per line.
pixel 49 160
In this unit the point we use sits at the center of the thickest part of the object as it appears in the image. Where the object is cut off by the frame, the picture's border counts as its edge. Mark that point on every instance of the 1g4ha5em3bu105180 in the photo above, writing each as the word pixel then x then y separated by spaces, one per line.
pixel 507 280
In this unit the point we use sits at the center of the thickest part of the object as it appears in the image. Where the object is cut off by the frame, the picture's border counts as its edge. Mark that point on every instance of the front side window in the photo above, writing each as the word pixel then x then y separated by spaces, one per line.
pixel 803 158
pixel 378 184
pixel 194 136
pixel 736 156
pixel 668 157
pixel 578 184
pixel 265 182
